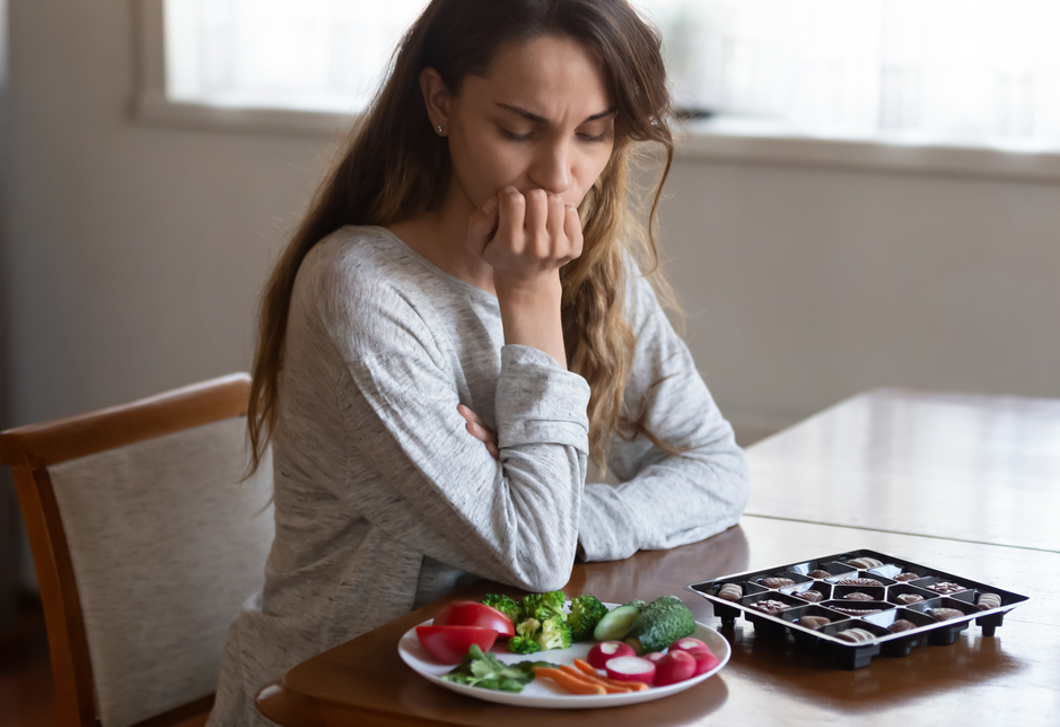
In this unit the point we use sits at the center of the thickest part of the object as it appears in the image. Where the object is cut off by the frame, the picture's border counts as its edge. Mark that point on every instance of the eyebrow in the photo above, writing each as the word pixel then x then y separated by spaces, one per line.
pixel 542 120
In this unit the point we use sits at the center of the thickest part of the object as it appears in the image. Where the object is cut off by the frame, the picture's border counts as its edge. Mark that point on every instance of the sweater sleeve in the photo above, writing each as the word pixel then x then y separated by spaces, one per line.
pixel 434 487
pixel 664 500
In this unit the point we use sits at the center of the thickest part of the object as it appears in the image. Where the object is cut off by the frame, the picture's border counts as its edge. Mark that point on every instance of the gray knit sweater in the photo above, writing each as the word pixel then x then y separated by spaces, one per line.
pixel 384 502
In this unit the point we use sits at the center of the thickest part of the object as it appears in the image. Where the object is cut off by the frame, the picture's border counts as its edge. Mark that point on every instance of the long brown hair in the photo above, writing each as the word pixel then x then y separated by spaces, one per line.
pixel 395 168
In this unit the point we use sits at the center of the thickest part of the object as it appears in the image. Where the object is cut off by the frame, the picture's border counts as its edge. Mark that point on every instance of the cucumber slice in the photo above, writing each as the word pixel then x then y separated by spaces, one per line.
pixel 614 625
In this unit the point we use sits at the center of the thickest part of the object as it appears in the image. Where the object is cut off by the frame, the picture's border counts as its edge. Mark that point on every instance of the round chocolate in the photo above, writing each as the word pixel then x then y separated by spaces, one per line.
pixel 907 598
pixel 989 600
pixel 776 582
pixel 906 577
pixel 858 596
pixel 813 622
pixel 945 614
pixel 731 592
pixel 770 606
pixel 856 635
pixel 858 582
pixel 901 625
pixel 945 587
pixel 809 595
pixel 819 574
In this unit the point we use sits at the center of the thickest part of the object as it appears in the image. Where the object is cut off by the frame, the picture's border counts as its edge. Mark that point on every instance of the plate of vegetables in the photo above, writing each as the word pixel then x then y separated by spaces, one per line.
pixel 545 651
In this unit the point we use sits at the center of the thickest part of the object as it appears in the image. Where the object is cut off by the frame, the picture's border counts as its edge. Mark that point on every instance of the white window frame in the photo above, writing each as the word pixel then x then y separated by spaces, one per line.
pixel 721 140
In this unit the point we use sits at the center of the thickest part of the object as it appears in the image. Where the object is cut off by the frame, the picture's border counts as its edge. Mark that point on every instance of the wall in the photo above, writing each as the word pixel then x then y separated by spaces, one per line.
pixel 805 286
pixel 133 254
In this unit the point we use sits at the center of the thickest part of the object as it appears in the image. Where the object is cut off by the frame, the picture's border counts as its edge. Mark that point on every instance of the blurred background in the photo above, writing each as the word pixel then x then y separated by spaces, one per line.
pixel 867 194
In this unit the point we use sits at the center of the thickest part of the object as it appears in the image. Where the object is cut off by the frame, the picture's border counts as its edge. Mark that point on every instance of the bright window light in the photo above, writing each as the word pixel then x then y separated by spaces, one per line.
pixel 966 72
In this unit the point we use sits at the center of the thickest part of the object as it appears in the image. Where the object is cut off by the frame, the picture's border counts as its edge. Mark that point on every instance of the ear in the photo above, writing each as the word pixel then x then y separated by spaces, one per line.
pixel 437 98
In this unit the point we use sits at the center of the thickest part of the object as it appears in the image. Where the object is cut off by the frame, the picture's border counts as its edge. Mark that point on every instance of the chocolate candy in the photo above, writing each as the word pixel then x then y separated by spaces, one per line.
pixel 731 592
pixel 858 582
pixel 908 598
pixel 903 577
pixel 865 563
pixel 945 587
pixel 813 622
pixel 856 636
pixel 819 574
pixel 776 582
pixel 770 606
pixel 858 596
pixel 856 611
pixel 809 595
pixel 945 614
pixel 901 625
pixel 989 600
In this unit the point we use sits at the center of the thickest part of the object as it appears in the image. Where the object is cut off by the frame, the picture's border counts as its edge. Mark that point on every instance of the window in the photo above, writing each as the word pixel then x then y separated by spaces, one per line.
pixel 976 74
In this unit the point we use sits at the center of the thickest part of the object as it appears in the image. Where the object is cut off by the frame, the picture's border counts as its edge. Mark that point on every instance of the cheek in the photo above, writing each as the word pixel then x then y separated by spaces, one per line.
pixel 589 170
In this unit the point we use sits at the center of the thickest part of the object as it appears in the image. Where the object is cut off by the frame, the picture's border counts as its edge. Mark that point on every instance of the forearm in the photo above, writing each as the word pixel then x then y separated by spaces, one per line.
pixel 530 315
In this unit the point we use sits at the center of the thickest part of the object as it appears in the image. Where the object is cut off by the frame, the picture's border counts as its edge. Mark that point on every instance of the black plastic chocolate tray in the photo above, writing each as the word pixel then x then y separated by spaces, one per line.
pixel 892 597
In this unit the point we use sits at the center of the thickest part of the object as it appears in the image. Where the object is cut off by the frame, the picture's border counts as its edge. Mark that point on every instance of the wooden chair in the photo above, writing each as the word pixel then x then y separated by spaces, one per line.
pixel 146 541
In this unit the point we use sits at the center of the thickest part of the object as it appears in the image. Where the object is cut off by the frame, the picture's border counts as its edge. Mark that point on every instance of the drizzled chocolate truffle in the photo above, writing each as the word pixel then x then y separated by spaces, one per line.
pixel 945 587
pixel 731 592
pixel 864 563
pixel 811 595
pixel 908 598
pixel 770 606
pixel 856 636
pixel 858 596
pixel 989 600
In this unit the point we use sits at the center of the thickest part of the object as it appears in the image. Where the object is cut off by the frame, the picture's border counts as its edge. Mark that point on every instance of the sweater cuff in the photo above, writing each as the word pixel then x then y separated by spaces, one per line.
pixel 537 402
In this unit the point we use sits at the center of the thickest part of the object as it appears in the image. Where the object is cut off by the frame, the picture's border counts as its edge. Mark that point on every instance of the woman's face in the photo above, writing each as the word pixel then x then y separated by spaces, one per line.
pixel 541 119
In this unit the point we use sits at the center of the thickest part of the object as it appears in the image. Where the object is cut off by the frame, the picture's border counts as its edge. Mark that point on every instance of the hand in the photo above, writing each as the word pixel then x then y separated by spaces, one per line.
pixel 480 431
pixel 525 237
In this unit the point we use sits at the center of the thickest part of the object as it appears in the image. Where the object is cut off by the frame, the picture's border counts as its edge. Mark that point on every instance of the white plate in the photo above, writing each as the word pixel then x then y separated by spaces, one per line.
pixel 545 693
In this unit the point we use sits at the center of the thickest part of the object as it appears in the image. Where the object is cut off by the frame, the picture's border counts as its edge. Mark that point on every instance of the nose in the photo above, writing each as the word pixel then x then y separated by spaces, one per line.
pixel 550 168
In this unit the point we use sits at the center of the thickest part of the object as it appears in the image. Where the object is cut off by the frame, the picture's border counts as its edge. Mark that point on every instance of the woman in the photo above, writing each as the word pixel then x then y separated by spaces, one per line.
pixel 458 328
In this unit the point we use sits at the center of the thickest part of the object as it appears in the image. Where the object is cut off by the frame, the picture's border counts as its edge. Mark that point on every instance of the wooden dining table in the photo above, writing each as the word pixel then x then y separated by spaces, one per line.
pixel 968 485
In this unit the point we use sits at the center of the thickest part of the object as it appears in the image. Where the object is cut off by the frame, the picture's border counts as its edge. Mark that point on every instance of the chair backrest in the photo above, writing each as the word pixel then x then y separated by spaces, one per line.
pixel 146 541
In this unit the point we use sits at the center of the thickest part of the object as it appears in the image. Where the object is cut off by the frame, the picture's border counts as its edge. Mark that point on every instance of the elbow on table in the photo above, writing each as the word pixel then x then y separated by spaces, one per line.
pixel 549 574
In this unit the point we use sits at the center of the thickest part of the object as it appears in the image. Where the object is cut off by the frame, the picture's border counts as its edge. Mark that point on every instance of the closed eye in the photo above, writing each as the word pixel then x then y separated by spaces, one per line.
pixel 515 137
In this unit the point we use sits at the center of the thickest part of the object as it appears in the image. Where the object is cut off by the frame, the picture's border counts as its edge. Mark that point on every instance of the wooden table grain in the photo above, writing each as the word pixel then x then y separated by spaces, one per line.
pixel 1012 677
pixel 977 468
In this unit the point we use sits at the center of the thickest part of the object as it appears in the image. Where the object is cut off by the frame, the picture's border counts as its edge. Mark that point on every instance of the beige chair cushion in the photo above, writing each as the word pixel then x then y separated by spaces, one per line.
pixel 167 543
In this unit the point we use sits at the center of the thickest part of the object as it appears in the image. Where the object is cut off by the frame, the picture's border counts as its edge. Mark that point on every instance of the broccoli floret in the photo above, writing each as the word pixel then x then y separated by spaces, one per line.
pixel 543 606
pixel 504 604
pixel 523 645
pixel 528 627
pixel 585 612
pixel 555 634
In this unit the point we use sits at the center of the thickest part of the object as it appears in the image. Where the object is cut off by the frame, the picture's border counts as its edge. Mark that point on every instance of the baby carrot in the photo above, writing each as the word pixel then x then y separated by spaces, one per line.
pixel 571 683
pixel 587 669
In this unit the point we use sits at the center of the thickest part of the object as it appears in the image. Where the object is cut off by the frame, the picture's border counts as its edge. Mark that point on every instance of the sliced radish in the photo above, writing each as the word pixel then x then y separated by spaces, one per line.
pixel 705 660
pixel 600 653
pixel 675 667
pixel 631 669
pixel 688 645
